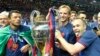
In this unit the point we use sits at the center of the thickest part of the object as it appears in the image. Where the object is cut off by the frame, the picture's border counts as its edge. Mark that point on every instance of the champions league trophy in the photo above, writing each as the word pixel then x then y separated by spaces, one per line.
pixel 40 27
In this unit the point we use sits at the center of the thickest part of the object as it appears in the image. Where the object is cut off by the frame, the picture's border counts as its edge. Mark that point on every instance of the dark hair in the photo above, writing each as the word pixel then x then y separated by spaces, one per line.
pixel 73 12
pixel 81 12
pixel 13 11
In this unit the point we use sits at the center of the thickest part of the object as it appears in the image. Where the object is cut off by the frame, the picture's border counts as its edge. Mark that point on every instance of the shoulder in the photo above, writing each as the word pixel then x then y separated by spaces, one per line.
pixel 90 33
pixel 69 24
pixel 4 30
pixel 70 27
pixel 88 38
pixel 24 28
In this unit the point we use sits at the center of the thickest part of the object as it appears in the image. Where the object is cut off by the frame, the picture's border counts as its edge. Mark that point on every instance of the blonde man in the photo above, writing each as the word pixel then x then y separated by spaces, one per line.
pixel 65 29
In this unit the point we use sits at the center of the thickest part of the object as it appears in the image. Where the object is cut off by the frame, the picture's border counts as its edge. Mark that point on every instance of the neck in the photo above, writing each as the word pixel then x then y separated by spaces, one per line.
pixel 14 27
pixel 82 32
pixel 64 23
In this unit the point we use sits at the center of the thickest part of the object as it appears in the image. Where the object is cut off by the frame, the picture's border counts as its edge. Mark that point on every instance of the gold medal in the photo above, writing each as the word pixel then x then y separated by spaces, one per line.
pixel 14 46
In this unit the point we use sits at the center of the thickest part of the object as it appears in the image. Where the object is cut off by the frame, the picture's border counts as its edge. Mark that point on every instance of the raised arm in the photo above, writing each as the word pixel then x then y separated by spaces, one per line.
pixel 71 48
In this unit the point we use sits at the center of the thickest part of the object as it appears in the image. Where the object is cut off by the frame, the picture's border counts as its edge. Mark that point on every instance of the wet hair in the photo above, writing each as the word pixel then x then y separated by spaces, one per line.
pixel 13 11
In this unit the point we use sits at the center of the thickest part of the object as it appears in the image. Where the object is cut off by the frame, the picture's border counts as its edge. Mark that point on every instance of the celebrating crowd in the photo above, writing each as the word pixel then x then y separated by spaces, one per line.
pixel 75 36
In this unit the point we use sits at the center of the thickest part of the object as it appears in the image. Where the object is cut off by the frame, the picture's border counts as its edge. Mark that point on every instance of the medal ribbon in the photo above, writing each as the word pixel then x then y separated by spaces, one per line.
pixel 14 35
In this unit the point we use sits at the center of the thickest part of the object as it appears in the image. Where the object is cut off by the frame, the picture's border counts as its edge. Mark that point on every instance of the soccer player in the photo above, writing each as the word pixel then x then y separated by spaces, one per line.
pixel 65 29
pixel 15 39
pixel 87 45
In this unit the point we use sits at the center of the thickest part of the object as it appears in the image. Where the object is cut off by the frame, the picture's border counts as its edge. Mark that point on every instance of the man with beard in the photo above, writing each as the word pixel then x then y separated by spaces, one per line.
pixel 87 45
pixel 15 39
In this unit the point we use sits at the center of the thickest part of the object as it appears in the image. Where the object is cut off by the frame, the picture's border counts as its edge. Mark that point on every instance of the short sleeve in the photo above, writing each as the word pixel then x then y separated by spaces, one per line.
pixel 87 38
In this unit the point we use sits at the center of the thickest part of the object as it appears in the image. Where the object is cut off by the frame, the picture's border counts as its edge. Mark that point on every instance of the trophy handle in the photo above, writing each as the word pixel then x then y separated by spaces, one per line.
pixel 32 16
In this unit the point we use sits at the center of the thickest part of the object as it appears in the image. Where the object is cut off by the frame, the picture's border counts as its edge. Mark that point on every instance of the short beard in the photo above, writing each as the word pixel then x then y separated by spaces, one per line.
pixel 15 26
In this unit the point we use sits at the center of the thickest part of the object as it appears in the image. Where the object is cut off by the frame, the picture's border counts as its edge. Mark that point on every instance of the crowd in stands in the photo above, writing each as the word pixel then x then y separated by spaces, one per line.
pixel 77 34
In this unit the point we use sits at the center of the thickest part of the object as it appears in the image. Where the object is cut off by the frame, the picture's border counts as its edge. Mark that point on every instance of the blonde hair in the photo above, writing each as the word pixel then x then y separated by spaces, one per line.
pixel 4 13
pixel 65 6
pixel 83 21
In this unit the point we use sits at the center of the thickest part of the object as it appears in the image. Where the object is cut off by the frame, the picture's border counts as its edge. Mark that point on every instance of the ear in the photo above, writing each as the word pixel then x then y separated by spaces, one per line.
pixel 84 27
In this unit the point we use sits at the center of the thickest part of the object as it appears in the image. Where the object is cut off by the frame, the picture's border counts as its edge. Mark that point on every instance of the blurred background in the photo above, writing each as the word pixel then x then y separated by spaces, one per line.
pixel 91 6
pixel 26 6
